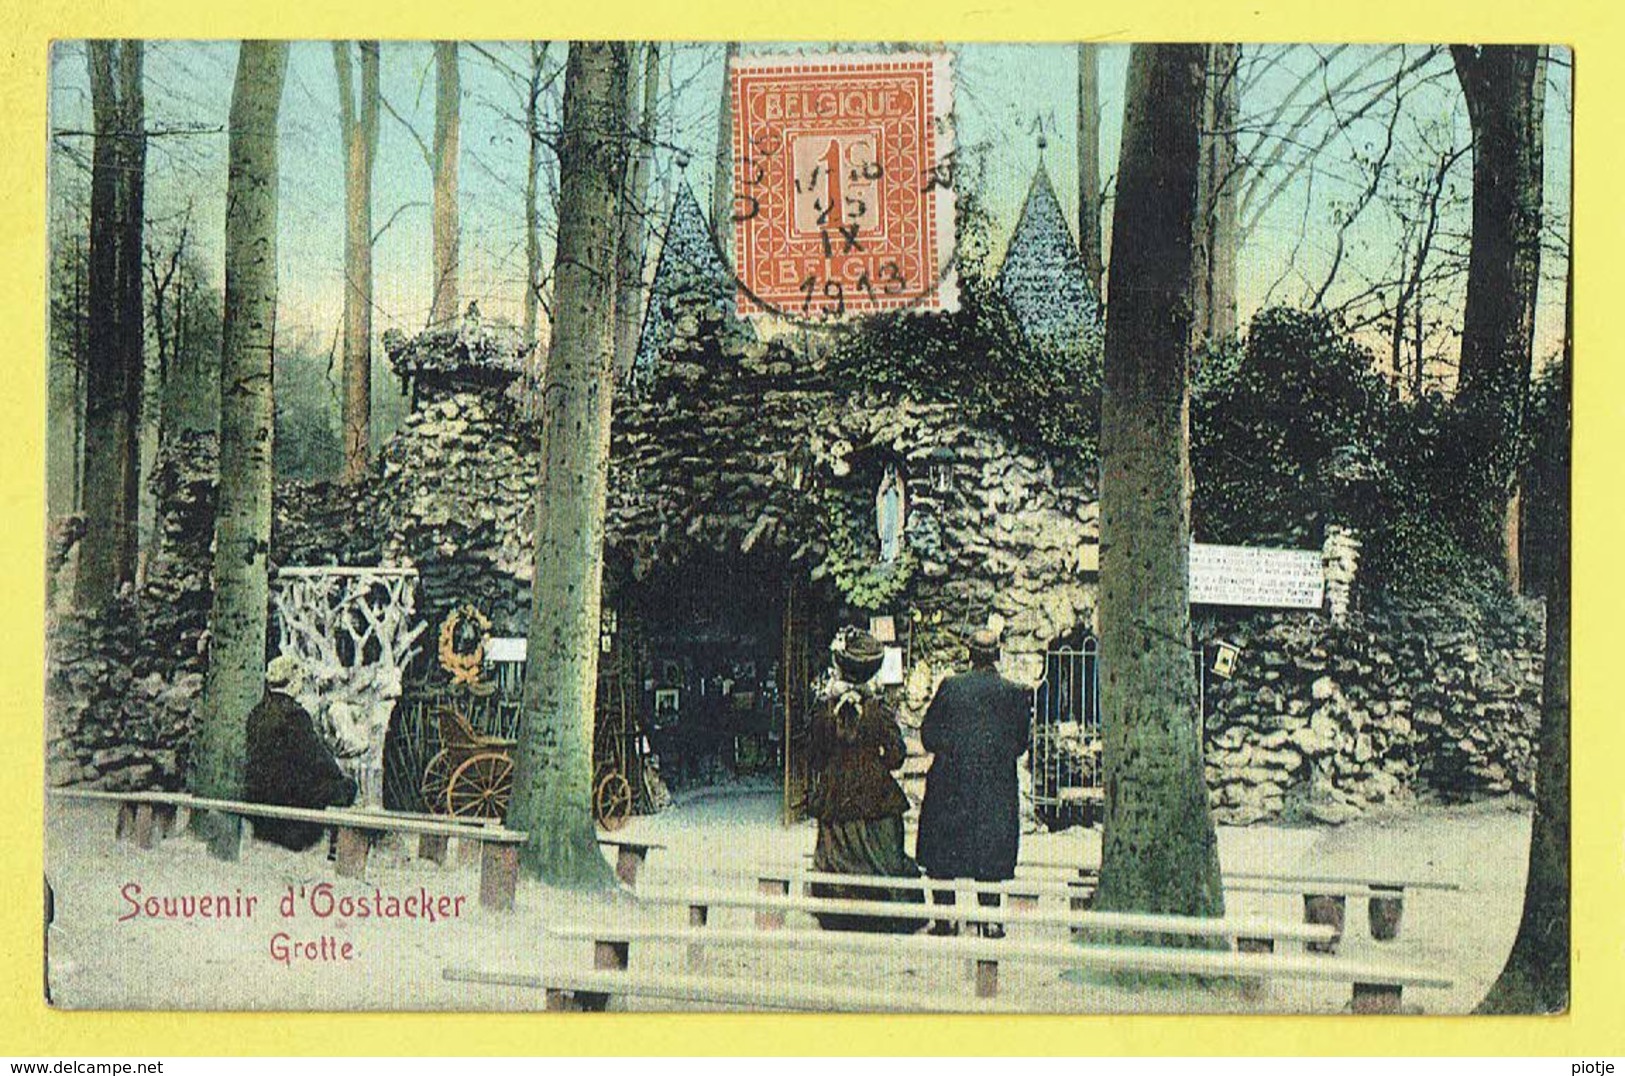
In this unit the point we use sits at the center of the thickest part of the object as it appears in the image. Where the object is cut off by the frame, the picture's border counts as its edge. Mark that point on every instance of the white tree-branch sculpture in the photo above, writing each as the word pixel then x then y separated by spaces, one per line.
pixel 353 633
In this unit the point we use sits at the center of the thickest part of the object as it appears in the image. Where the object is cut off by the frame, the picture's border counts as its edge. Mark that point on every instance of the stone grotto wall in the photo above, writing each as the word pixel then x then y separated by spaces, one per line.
pixel 728 448
pixel 1325 722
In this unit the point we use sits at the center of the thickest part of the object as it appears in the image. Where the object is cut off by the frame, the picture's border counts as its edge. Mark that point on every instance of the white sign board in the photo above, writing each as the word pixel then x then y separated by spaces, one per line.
pixel 1252 575
pixel 500 649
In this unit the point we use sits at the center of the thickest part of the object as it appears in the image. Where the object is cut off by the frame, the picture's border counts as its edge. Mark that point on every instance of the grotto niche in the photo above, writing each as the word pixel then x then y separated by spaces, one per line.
pixel 721 650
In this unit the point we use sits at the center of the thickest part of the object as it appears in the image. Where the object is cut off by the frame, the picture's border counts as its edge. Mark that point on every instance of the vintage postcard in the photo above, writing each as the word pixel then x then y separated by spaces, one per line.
pixel 824 527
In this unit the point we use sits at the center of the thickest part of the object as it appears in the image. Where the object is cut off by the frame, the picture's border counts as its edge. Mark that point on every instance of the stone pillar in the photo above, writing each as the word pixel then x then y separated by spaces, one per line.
pixel 1340 555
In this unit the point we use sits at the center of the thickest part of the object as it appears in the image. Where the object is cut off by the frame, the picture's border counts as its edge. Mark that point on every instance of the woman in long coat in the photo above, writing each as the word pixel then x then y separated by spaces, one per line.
pixel 854 745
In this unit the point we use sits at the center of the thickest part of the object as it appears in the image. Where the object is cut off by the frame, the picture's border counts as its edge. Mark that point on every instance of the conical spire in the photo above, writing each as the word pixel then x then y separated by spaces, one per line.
pixel 1043 278
pixel 690 276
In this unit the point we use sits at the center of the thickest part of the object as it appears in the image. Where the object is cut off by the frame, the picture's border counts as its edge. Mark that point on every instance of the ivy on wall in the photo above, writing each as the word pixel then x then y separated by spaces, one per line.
pixel 852 557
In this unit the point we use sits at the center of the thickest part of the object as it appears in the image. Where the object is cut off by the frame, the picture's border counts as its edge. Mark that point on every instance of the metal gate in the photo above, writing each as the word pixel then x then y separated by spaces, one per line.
pixel 1065 754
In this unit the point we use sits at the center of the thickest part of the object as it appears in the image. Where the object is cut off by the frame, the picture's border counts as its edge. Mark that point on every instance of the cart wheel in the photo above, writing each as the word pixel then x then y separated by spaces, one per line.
pixel 436 776
pixel 480 787
pixel 612 801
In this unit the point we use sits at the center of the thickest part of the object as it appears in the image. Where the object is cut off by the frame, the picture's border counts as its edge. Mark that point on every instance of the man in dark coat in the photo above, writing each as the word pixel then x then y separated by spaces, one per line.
pixel 976 728
pixel 288 764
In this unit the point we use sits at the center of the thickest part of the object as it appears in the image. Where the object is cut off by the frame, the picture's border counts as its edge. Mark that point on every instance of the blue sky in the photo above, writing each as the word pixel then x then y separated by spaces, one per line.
pixel 1003 95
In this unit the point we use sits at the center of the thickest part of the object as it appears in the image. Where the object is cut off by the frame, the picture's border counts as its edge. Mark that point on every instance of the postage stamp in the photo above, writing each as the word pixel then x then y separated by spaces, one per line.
pixel 841 205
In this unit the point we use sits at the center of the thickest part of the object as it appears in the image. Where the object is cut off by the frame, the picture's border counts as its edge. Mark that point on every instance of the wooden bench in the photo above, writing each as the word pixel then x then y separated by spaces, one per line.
pixel 1325 897
pixel 1376 988
pixel 431 846
pixel 1019 891
pixel 144 818
pixel 1252 934
pixel 353 829
pixel 499 847
pixel 629 857
pixel 590 991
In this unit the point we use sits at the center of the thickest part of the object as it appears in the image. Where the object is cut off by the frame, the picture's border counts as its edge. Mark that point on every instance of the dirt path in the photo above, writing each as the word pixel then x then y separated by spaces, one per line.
pixel 108 953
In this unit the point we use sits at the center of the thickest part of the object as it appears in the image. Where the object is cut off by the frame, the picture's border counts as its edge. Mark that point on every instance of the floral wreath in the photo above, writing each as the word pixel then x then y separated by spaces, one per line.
pixel 465 668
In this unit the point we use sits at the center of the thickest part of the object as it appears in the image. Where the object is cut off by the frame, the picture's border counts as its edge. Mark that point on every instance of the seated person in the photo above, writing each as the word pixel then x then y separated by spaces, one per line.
pixel 288 764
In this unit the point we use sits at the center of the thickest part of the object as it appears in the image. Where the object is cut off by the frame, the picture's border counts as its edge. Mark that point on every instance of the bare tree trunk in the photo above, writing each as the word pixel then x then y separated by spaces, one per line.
pixel 132 308
pixel 722 199
pixel 1218 203
pixel 62 414
pixel 1504 86
pixel 1536 975
pixel 1089 163
pixel 164 278
pixel 1159 851
pixel 235 679
pixel 358 128
pixel 553 780
pixel 1225 223
pixel 447 131
pixel 635 218
pixel 1396 338
pixel 533 242
pixel 115 352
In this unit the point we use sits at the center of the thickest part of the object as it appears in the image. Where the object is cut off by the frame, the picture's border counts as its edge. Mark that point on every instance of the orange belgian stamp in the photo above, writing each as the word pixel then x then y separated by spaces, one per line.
pixel 843 184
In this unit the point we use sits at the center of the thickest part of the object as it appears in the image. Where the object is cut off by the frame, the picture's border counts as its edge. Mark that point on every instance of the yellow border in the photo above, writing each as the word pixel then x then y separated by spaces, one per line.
pixel 1592 1027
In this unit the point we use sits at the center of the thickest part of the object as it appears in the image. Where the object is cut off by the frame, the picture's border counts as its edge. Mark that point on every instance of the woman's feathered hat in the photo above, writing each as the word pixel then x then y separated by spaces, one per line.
pixel 857 654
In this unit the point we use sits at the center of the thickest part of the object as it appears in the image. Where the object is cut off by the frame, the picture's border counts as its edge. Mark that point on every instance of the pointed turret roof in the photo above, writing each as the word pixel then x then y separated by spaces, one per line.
pixel 1043 277
pixel 690 276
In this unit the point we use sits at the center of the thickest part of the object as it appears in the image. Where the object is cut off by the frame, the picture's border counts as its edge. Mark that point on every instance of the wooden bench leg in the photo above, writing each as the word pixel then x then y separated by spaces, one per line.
pixel 628 860
pixel 124 824
pixel 1253 986
pixel 1385 912
pixel 1376 998
pixel 1323 909
pixel 352 852
pixel 433 847
pixel 987 978
pixel 468 850
pixel 611 955
pixel 145 833
pixel 698 914
pixel 1078 901
pixel 575 1001
pixel 499 876
pixel 562 1001
pixel 770 918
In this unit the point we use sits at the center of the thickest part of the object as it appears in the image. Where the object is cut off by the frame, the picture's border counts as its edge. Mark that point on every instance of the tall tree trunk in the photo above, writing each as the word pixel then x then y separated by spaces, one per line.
pixel 1226 187
pixel 132 307
pixel 66 361
pixel 358 128
pixel 533 152
pixel 447 131
pixel 722 198
pixel 635 217
pixel 235 679
pixel 115 352
pixel 1159 851
pixel 553 778
pixel 1089 163
pixel 1218 187
pixel 1536 975
pixel 1504 86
